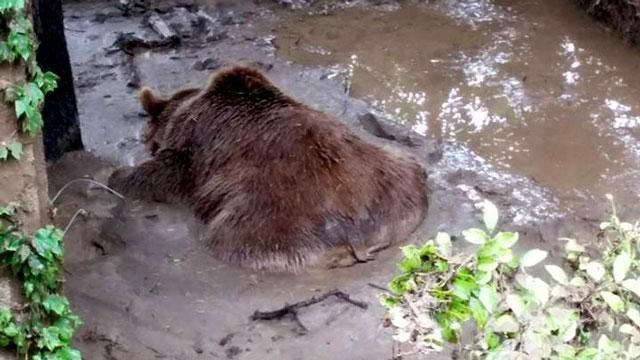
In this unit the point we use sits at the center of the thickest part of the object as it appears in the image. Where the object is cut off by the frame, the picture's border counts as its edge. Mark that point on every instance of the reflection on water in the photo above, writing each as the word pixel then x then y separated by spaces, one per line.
pixel 531 86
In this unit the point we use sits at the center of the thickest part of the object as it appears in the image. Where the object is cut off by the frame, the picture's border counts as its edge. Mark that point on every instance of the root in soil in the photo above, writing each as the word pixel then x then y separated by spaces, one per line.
pixel 291 310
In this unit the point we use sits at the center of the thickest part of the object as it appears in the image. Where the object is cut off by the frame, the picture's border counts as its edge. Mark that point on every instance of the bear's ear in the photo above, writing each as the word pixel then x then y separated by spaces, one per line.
pixel 241 79
pixel 152 104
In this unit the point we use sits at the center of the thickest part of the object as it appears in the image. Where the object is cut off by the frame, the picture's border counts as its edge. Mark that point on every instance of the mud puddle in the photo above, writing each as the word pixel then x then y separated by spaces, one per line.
pixel 533 87
pixel 147 290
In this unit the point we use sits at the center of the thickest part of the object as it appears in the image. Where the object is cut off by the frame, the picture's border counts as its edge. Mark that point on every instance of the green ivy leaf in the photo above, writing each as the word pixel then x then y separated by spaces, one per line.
pixel 11 330
pixel 8 210
pixel 5 52
pixel 489 298
pixel 56 304
pixel 5 315
pixel 595 270
pixel 411 261
pixel 16 5
pixel 33 122
pixel 634 315
pixel 15 148
pixel 4 152
pixel 35 265
pixel 607 346
pixel 14 243
pixel 20 42
pixel 47 242
pixel 614 301
pixel 505 256
pixel 33 93
pixel 475 236
pixel 29 288
pixel 401 284
pixel 516 304
pixel 67 353
pixel 443 240
pixel 50 338
pixel 483 278
pixel 459 310
pixel 389 302
pixel 487 264
pixel 533 257
pixel 506 324
pixel 506 239
pixel 621 265
pixel 489 215
pixel 632 285
pixel 24 253
pixel 20 106
pixel 557 274
pixel 464 284
pixel 66 328
pixel 573 246
pixel 492 340
pixel 49 82
pixel 479 312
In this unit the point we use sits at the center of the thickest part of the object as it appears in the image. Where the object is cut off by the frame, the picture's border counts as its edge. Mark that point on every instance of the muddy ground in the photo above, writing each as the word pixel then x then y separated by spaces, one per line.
pixel 146 290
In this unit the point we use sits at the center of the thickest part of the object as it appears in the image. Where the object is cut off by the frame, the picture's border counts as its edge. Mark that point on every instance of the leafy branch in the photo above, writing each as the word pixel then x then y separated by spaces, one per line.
pixel 588 310
pixel 46 323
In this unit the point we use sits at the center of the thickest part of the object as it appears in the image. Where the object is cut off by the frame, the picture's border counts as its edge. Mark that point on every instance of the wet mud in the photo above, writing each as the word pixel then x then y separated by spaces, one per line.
pixel 147 290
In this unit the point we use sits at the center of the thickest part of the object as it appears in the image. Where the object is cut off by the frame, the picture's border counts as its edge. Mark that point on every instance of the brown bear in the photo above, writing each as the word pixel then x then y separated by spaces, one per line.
pixel 277 184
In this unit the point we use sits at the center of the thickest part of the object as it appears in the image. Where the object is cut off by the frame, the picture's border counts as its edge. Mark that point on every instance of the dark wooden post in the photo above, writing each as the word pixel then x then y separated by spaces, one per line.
pixel 61 131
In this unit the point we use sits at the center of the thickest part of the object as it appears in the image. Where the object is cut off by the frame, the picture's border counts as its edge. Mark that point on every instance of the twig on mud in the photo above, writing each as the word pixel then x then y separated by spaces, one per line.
pixel 132 70
pixel 379 287
pixel 129 43
pixel 401 355
pixel 79 212
pixel 91 181
pixel 292 309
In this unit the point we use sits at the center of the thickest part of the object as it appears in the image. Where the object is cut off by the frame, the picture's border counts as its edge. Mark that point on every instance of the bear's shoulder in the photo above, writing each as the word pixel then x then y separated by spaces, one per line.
pixel 242 80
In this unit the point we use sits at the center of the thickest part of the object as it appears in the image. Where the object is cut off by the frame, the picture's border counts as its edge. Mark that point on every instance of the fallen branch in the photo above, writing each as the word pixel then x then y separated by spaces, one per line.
pixel 292 309
pixel 129 43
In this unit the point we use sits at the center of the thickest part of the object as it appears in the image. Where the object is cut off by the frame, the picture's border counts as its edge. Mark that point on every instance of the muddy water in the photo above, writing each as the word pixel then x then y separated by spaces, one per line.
pixel 532 86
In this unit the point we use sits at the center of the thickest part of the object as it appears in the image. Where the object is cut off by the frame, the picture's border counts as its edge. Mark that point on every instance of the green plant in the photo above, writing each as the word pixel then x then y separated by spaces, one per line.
pixel 45 326
pixel 42 329
pixel 588 309
pixel 9 150
pixel 27 97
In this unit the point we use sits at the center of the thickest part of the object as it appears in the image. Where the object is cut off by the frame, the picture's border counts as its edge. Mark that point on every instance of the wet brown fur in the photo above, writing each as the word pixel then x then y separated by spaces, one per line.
pixel 277 184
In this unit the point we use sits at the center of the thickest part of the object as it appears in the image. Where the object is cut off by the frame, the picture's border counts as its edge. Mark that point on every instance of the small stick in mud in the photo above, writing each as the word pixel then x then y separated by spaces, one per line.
pixel 292 309
pixel 130 44
pixel 379 287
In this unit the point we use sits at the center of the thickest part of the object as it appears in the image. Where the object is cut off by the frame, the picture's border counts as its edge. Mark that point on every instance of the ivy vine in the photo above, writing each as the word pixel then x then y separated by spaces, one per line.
pixel 27 97
pixel 41 329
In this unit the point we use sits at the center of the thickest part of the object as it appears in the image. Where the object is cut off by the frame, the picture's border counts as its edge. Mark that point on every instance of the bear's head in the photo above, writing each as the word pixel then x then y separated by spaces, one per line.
pixel 231 85
pixel 160 110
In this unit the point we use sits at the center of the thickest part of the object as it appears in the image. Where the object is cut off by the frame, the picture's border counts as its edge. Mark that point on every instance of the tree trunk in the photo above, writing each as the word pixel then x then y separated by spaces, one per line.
pixel 22 181
pixel 60 112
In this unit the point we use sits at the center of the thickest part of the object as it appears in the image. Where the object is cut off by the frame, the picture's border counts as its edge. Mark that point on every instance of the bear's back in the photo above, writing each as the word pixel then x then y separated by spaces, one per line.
pixel 278 184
